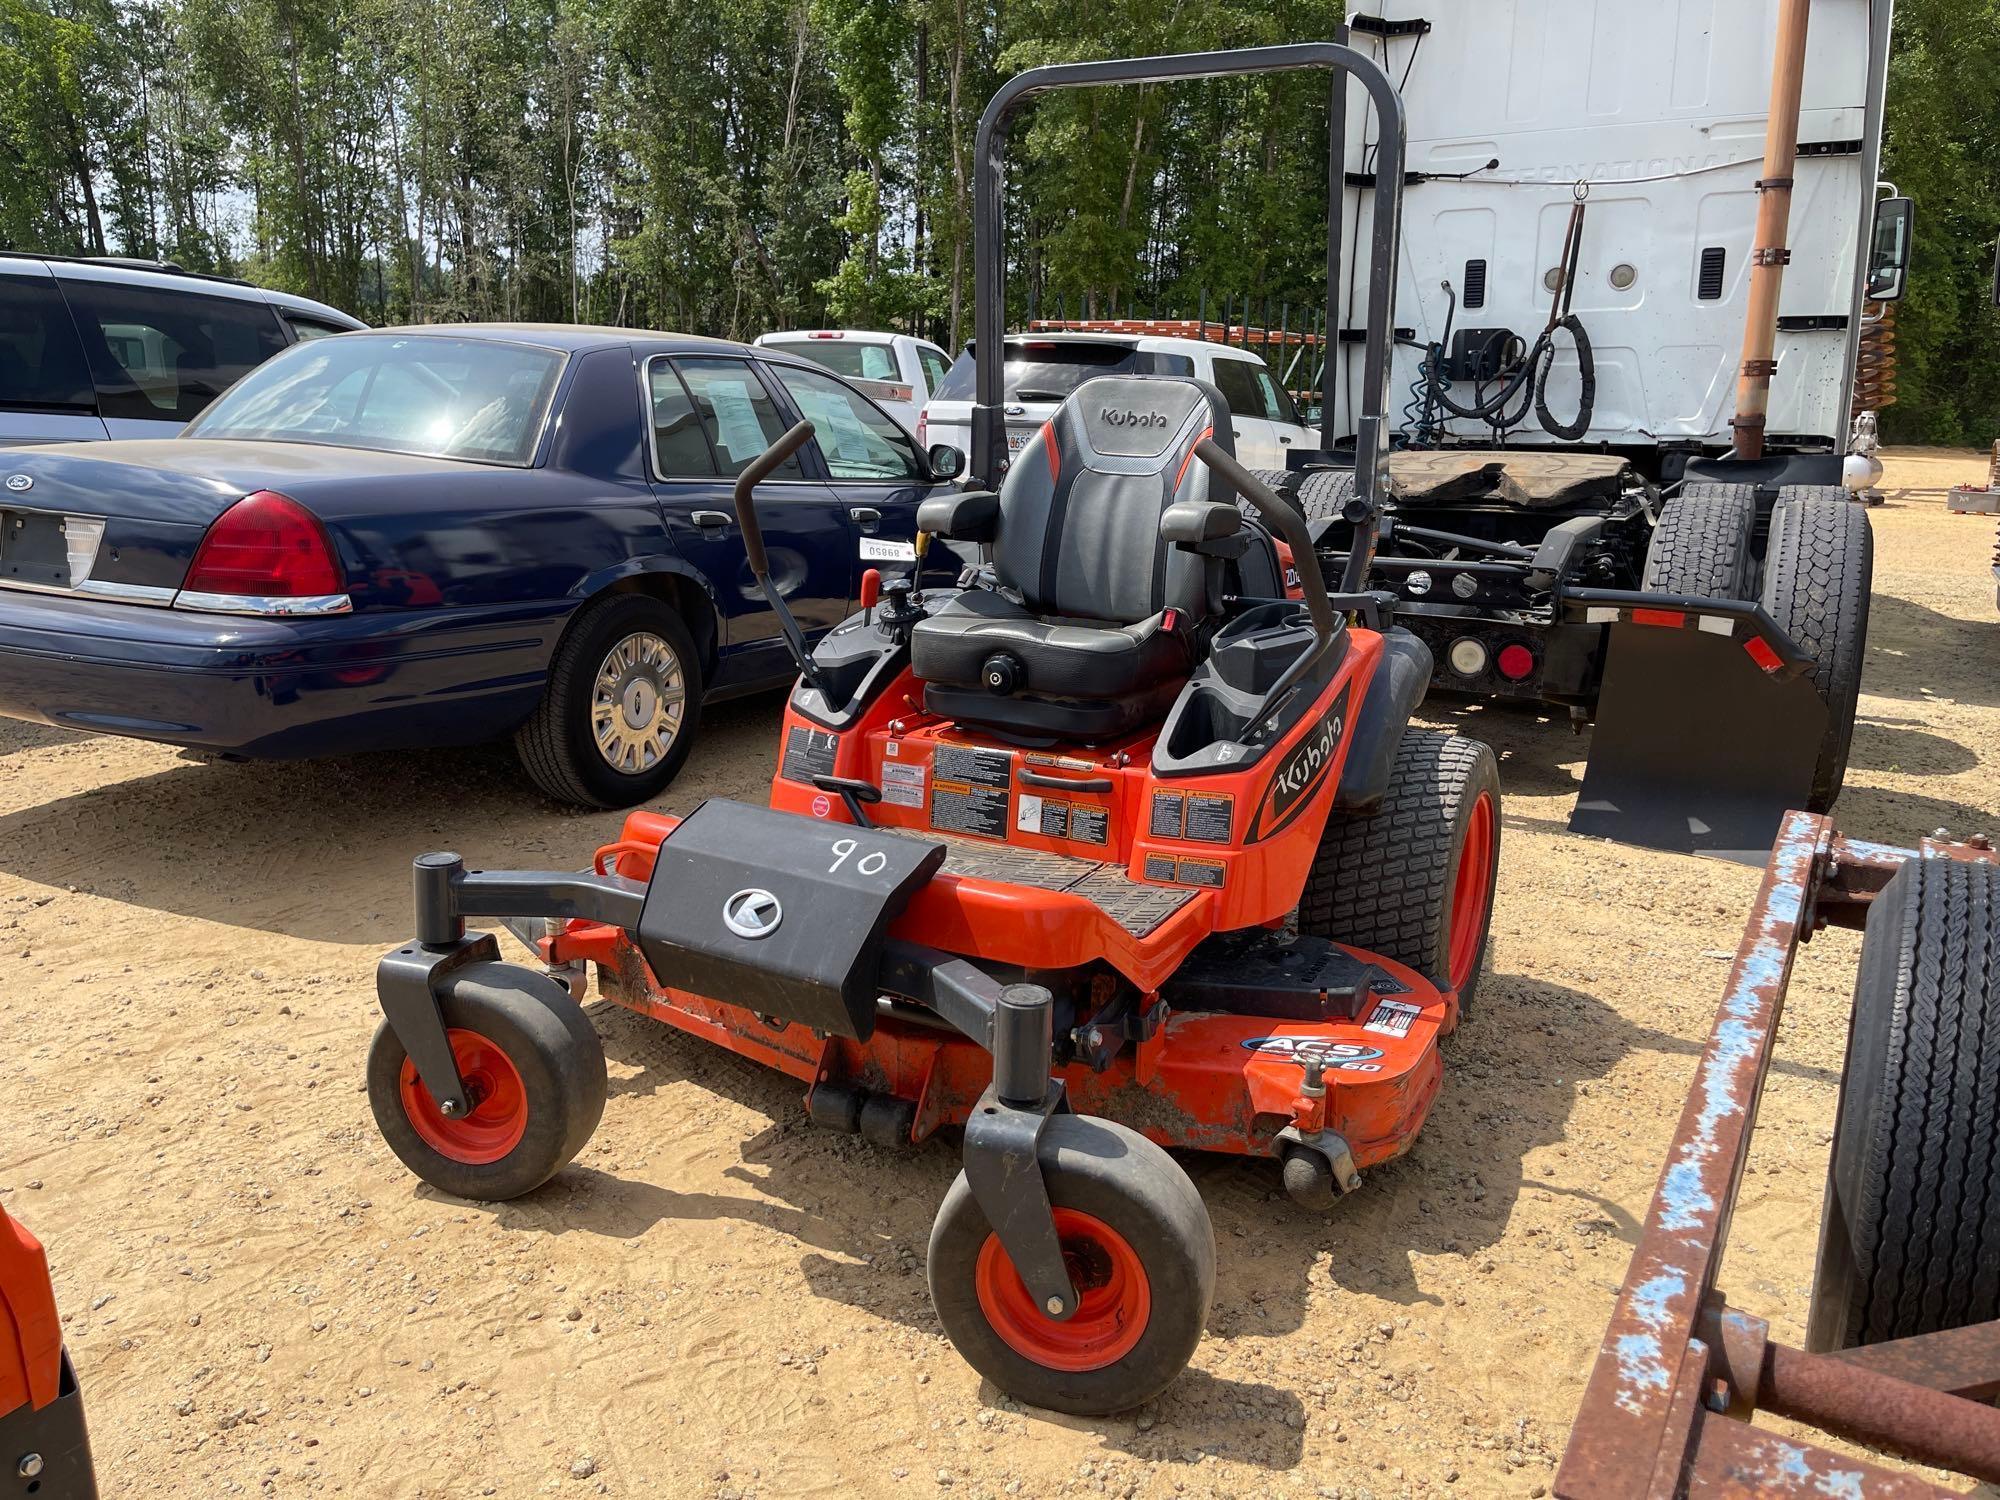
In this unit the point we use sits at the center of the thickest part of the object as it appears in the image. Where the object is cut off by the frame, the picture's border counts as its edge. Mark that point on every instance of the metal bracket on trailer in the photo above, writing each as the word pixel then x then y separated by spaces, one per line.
pixel 1677 1364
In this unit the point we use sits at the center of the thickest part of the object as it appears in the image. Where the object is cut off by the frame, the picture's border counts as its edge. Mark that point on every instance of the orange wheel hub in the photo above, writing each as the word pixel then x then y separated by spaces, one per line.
pixel 499 1114
pixel 1115 1298
pixel 1470 890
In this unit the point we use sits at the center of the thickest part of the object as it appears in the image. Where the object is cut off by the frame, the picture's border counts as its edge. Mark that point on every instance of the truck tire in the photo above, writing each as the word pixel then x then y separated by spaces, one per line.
pixel 1814 494
pixel 1414 880
pixel 1819 573
pixel 1315 495
pixel 1702 545
pixel 1910 1234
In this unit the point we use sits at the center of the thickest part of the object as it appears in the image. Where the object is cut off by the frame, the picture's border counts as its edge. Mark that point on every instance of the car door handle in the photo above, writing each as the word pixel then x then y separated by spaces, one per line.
pixel 864 515
pixel 1235 432
pixel 1286 441
pixel 710 520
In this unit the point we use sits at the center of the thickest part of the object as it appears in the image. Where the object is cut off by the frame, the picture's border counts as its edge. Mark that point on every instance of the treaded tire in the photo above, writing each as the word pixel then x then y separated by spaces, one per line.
pixel 1702 546
pixel 1388 881
pixel 1910 1234
pixel 558 1061
pixel 1815 494
pixel 556 745
pixel 1819 572
pixel 1317 494
pixel 1095 1167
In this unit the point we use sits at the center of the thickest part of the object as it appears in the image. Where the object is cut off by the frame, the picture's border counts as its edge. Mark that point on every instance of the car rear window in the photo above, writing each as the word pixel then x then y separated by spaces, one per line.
pixel 482 399
pixel 857 361
pixel 1047 370
pixel 165 355
pixel 41 362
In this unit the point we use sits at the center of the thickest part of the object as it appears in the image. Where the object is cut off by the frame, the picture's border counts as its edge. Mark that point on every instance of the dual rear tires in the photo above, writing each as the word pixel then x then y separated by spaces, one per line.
pixel 1817 578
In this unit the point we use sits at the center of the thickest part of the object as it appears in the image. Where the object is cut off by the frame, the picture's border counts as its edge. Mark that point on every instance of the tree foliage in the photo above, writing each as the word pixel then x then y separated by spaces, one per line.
pixel 769 163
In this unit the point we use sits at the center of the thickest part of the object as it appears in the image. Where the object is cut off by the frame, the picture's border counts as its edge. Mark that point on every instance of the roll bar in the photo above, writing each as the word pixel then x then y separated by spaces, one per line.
pixel 989 271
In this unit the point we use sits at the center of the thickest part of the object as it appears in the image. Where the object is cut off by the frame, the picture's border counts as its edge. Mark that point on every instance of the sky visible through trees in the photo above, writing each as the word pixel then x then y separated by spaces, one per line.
pixel 734 167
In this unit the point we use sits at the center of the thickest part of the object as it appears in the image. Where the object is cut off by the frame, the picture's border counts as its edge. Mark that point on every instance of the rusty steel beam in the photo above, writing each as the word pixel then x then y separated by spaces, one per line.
pixel 1627 1404
pixel 1962 1361
pixel 1852 1401
pixel 1732 1459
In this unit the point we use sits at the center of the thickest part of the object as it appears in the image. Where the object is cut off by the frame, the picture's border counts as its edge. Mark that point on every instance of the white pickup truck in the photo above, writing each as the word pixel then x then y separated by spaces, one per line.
pixel 1043 368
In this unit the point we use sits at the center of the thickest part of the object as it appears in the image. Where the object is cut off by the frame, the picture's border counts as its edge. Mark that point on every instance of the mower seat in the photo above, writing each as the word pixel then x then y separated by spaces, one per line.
pixel 1090 622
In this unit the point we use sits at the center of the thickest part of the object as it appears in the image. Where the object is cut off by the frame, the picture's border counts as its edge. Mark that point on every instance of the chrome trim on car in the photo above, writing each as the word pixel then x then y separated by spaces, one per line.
pixel 129 593
pixel 264 604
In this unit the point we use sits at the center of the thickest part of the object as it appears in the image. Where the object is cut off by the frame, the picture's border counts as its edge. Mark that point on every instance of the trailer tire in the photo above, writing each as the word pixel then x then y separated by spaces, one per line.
pixel 1413 880
pixel 535 1067
pixel 1135 1233
pixel 1819 572
pixel 1910 1233
pixel 1702 544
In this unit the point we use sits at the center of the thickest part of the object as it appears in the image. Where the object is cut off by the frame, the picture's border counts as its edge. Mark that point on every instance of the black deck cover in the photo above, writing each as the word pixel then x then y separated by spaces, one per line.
pixel 819 893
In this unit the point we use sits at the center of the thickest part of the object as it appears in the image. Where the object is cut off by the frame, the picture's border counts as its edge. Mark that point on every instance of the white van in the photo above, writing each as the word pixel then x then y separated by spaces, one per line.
pixel 897 372
pixel 1043 368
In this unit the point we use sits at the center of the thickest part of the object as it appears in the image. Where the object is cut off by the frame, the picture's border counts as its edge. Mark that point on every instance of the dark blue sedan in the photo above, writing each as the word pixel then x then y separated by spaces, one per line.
pixel 444 536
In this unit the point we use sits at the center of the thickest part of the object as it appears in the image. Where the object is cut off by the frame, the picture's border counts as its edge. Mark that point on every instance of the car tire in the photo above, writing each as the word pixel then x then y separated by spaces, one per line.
pixel 1910 1234
pixel 615 677
pixel 1702 545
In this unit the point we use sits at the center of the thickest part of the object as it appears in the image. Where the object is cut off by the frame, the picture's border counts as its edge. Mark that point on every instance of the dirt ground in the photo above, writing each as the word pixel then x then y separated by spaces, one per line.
pixel 719 1300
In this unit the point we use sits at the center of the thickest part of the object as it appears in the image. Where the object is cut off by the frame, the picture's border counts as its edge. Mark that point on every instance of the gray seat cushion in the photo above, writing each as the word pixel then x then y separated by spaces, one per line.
pixel 1054 658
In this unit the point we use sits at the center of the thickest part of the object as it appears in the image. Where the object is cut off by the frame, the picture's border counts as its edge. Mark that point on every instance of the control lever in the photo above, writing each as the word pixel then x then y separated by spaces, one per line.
pixel 755 473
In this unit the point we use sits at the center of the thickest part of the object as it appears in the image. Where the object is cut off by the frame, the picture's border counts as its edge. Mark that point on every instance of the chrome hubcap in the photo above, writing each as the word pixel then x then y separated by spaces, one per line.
pixel 637 703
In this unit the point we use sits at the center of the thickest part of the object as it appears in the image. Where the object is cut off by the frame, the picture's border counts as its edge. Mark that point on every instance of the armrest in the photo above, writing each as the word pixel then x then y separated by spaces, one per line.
pixel 1209 527
pixel 970 516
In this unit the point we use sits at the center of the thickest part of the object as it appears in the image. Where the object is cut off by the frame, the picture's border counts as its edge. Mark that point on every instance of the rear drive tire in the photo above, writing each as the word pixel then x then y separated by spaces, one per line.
pixel 1702 545
pixel 534 1066
pixel 1910 1234
pixel 1317 494
pixel 1414 880
pixel 1819 573
pixel 1139 1246
pixel 622 705
pixel 1815 494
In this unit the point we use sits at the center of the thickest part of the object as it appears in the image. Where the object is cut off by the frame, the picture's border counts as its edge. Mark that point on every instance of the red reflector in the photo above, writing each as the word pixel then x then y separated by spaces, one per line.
pixel 1516 662
pixel 1673 618
pixel 1170 621
pixel 265 545
pixel 1762 653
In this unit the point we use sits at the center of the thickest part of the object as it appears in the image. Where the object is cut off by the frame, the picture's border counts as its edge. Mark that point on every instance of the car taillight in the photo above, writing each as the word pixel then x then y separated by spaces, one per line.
pixel 262 552
pixel 923 431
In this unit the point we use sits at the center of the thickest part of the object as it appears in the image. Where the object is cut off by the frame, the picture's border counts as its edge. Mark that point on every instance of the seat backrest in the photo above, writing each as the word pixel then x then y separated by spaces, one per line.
pixel 1079 533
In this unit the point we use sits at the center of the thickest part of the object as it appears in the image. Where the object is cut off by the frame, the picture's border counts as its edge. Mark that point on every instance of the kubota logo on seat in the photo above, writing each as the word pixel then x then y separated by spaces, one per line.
pixel 1131 418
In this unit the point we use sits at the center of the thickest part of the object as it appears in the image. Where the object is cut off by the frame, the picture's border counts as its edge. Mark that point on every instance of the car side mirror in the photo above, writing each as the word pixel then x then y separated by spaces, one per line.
pixel 946 461
pixel 1889 250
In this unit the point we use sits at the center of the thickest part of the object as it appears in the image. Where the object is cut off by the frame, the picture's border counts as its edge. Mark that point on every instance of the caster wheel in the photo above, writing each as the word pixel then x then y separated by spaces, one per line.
pixel 1139 1248
pixel 534 1067
pixel 886 1121
pixel 1309 1180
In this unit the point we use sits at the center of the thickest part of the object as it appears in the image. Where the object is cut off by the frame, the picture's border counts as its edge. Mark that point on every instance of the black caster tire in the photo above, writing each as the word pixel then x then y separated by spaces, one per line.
pixel 1910 1233
pixel 1309 1180
pixel 886 1121
pixel 1414 879
pixel 1138 1242
pixel 622 705
pixel 835 1106
pixel 535 1067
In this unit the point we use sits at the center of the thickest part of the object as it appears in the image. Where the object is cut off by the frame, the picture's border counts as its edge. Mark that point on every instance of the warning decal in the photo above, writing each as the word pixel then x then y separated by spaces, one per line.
pixel 1392 1017
pixel 903 782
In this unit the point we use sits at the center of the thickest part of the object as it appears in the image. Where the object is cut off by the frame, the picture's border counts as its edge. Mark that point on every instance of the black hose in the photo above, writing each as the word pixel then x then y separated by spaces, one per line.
pixel 1586 370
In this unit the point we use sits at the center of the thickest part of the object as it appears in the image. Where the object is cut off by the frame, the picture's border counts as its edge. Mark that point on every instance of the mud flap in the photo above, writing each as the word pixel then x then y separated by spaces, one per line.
pixel 1704 739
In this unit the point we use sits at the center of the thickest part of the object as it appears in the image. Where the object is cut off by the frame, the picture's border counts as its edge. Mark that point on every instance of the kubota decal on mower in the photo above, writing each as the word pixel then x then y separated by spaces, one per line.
pixel 1083 856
